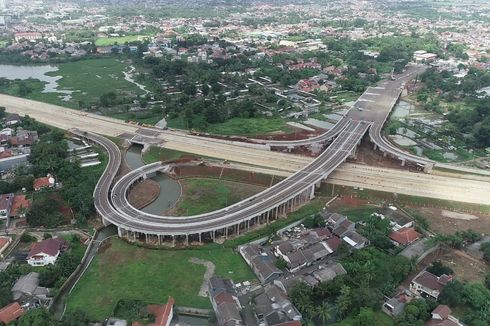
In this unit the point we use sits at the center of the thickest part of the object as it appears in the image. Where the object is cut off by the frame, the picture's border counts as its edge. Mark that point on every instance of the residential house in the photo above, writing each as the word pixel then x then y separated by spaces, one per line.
pixel 11 312
pixel 225 302
pixel 163 313
pixel 427 284
pixel 355 240
pixel 262 263
pixel 26 289
pixel 273 307
pixel 43 182
pixel 394 306
pixel 4 243
pixel 405 236
pixel 20 205
pixel 46 252
pixel 6 201
pixel 24 138
pixel 12 119
pixel 441 316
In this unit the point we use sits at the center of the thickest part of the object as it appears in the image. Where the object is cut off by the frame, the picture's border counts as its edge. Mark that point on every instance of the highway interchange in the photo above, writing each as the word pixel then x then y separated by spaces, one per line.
pixel 369 112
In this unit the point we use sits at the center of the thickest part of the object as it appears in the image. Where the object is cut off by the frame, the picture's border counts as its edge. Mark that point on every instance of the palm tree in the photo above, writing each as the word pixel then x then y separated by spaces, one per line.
pixel 324 312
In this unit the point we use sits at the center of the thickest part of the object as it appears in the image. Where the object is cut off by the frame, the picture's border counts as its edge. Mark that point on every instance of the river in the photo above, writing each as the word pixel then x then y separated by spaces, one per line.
pixel 170 189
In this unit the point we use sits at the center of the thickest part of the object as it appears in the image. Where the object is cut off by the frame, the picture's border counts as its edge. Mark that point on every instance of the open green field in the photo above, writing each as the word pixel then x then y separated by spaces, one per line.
pixel 106 41
pixel 89 79
pixel 125 271
pixel 202 195
pixel 155 154
pixel 248 126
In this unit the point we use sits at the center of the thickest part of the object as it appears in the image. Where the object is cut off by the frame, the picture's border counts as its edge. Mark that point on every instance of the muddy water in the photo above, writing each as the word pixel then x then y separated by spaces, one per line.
pixel 170 189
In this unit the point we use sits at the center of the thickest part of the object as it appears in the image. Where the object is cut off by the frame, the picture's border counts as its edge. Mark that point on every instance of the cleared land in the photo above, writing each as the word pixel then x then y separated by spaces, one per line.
pixel 205 195
pixel 248 127
pixel 124 271
pixel 121 40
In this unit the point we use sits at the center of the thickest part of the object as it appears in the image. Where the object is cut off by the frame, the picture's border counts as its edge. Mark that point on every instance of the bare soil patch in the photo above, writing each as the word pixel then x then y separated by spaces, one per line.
pixel 465 267
pixel 143 193
pixel 447 225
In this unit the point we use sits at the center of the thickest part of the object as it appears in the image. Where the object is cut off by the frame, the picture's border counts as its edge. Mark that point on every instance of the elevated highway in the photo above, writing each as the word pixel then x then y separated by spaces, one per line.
pixel 112 204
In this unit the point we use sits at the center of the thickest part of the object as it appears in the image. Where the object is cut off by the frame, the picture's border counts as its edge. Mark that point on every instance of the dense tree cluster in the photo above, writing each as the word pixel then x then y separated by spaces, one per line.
pixel 371 274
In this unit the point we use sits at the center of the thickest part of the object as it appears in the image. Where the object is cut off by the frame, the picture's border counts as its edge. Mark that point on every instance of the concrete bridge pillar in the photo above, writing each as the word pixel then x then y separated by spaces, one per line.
pixel 105 222
pixel 199 237
pixel 226 233
pixel 186 239
pixel 385 154
pixel 159 240
pixel 213 235
pixel 375 147
pixel 119 232
pixel 238 229
pixel 248 225
pixel 173 241
pixel 312 192
pixel 428 167
pixel 403 162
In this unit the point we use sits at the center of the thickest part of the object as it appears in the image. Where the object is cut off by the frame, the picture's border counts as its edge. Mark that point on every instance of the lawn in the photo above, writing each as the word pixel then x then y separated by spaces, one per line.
pixel 92 78
pixel 380 319
pixel 206 195
pixel 125 271
pixel 247 126
pixel 106 41
pixel 156 154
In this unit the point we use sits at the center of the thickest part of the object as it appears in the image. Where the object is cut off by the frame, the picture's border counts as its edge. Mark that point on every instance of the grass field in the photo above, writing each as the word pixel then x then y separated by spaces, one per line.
pixel 248 126
pixel 155 154
pixel 92 78
pixel 206 195
pixel 106 41
pixel 125 271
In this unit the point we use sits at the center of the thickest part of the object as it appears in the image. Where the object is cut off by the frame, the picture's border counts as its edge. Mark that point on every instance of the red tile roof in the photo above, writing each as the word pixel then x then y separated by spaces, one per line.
pixel 405 236
pixel 20 201
pixel 161 312
pixel 11 312
pixel 4 241
pixel 42 182
pixel 442 310
pixel 224 297
pixel 49 247
pixel 334 243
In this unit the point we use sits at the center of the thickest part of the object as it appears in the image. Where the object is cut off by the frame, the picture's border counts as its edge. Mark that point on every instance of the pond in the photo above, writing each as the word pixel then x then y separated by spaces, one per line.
pixel 13 72
pixel 402 110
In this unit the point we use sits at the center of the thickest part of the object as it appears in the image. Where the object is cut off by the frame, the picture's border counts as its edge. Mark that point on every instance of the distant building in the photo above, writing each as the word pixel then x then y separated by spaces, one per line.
pixel 273 307
pixel 46 252
pixel 424 56
pixel 261 263
pixel 28 36
pixel 19 206
pixel 428 285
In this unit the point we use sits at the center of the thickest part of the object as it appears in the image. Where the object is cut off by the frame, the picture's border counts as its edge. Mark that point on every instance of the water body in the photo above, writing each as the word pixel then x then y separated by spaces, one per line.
pixel 402 110
pixel 128 76
pixel 170 189
pixel 51 85
pixel 133 157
